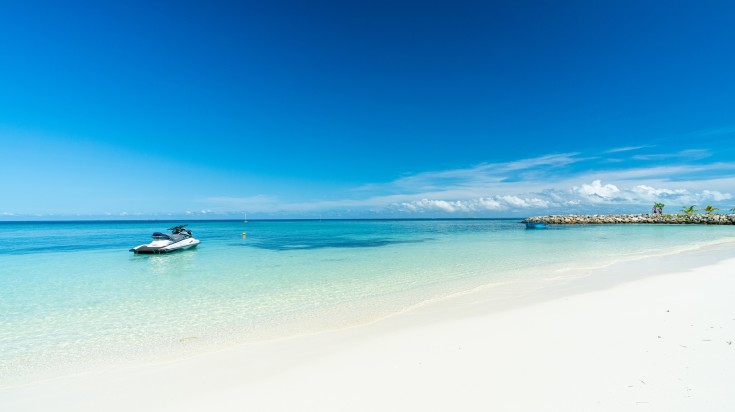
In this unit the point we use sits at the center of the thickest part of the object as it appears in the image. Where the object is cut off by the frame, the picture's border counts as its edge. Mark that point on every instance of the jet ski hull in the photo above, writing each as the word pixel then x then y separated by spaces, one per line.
pixel 156 250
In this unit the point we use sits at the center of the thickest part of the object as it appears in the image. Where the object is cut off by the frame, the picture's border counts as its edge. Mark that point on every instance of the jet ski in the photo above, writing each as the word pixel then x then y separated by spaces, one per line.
pixel 179 239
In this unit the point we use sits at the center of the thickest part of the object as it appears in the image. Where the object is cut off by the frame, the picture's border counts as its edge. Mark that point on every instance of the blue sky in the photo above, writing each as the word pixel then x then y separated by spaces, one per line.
pixel 364 109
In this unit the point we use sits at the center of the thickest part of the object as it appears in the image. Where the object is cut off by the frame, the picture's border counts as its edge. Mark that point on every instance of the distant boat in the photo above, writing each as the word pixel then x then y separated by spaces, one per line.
pixel 536 225
pixel 246 218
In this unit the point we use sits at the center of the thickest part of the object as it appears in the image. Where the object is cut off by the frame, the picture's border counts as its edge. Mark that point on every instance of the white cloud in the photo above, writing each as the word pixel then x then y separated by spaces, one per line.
pixel 692 154
pixel 593 195
pixel 643 194
pixel 533 202
pixel 625 149
pixel 715 195
pixel 556 182
pixel 651 194
pixel 496 203
pixel 539 203
pixel 515 201
pixel 596 189
pixel 484 203
pixel 429 205
pixel 484 174
pixel 553 160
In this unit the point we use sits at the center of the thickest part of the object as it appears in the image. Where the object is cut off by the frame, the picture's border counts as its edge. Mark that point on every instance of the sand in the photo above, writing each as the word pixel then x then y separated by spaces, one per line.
pixel 655 334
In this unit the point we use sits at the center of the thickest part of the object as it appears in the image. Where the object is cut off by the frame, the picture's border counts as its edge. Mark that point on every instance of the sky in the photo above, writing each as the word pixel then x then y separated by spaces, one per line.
pixel 364 109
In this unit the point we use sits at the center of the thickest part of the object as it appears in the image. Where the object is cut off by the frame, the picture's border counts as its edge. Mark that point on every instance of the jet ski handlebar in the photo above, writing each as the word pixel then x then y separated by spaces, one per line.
pixel 177 229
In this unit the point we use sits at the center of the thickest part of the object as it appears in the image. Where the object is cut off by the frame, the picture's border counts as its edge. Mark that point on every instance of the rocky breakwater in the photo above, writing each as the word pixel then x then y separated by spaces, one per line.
pixel 680 219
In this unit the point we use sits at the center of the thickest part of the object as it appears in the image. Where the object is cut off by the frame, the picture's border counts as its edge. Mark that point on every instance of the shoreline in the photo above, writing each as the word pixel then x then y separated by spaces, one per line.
pixel 404 345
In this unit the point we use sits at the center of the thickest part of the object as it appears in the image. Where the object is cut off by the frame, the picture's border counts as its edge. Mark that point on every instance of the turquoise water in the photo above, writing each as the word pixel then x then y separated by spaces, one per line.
pixel 73 298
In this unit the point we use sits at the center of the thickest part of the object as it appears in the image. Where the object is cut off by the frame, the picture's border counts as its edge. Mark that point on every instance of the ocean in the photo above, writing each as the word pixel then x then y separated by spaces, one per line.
pixel 73 298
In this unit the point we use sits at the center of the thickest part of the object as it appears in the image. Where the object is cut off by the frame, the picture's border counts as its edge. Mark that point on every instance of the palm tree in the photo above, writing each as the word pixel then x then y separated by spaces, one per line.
pixel 733 210
pixel 659 207
pixel 689 210
pixel 710 209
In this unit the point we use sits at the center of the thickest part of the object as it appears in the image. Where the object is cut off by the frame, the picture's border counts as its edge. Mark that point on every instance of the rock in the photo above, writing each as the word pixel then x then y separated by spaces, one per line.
pixel 711 219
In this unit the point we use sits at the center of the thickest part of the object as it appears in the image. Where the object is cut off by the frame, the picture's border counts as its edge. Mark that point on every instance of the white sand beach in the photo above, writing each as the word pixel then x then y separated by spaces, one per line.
pixel 648 335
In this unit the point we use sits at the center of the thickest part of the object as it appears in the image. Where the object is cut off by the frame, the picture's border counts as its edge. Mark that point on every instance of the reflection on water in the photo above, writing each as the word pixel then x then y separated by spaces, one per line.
pixel 167 264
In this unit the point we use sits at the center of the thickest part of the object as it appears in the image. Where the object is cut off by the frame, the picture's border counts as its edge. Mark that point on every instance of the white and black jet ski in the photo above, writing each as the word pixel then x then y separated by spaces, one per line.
pixel 178 239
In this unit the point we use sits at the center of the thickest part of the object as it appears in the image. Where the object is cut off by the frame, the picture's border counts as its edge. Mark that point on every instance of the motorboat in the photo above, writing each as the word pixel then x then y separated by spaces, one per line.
pixel 536 225
pixel 180 238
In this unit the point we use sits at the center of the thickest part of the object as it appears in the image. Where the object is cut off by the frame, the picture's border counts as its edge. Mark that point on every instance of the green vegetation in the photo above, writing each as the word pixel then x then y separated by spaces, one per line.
pixel 710 209
pixel 689 210
pixel 686 212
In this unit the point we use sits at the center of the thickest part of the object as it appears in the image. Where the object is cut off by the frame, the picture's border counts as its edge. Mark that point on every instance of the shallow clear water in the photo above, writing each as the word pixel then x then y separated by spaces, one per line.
pixel 72 297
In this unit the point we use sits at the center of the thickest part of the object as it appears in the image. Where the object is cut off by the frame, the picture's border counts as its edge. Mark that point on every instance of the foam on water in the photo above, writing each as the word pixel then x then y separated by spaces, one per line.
pixel 73 298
